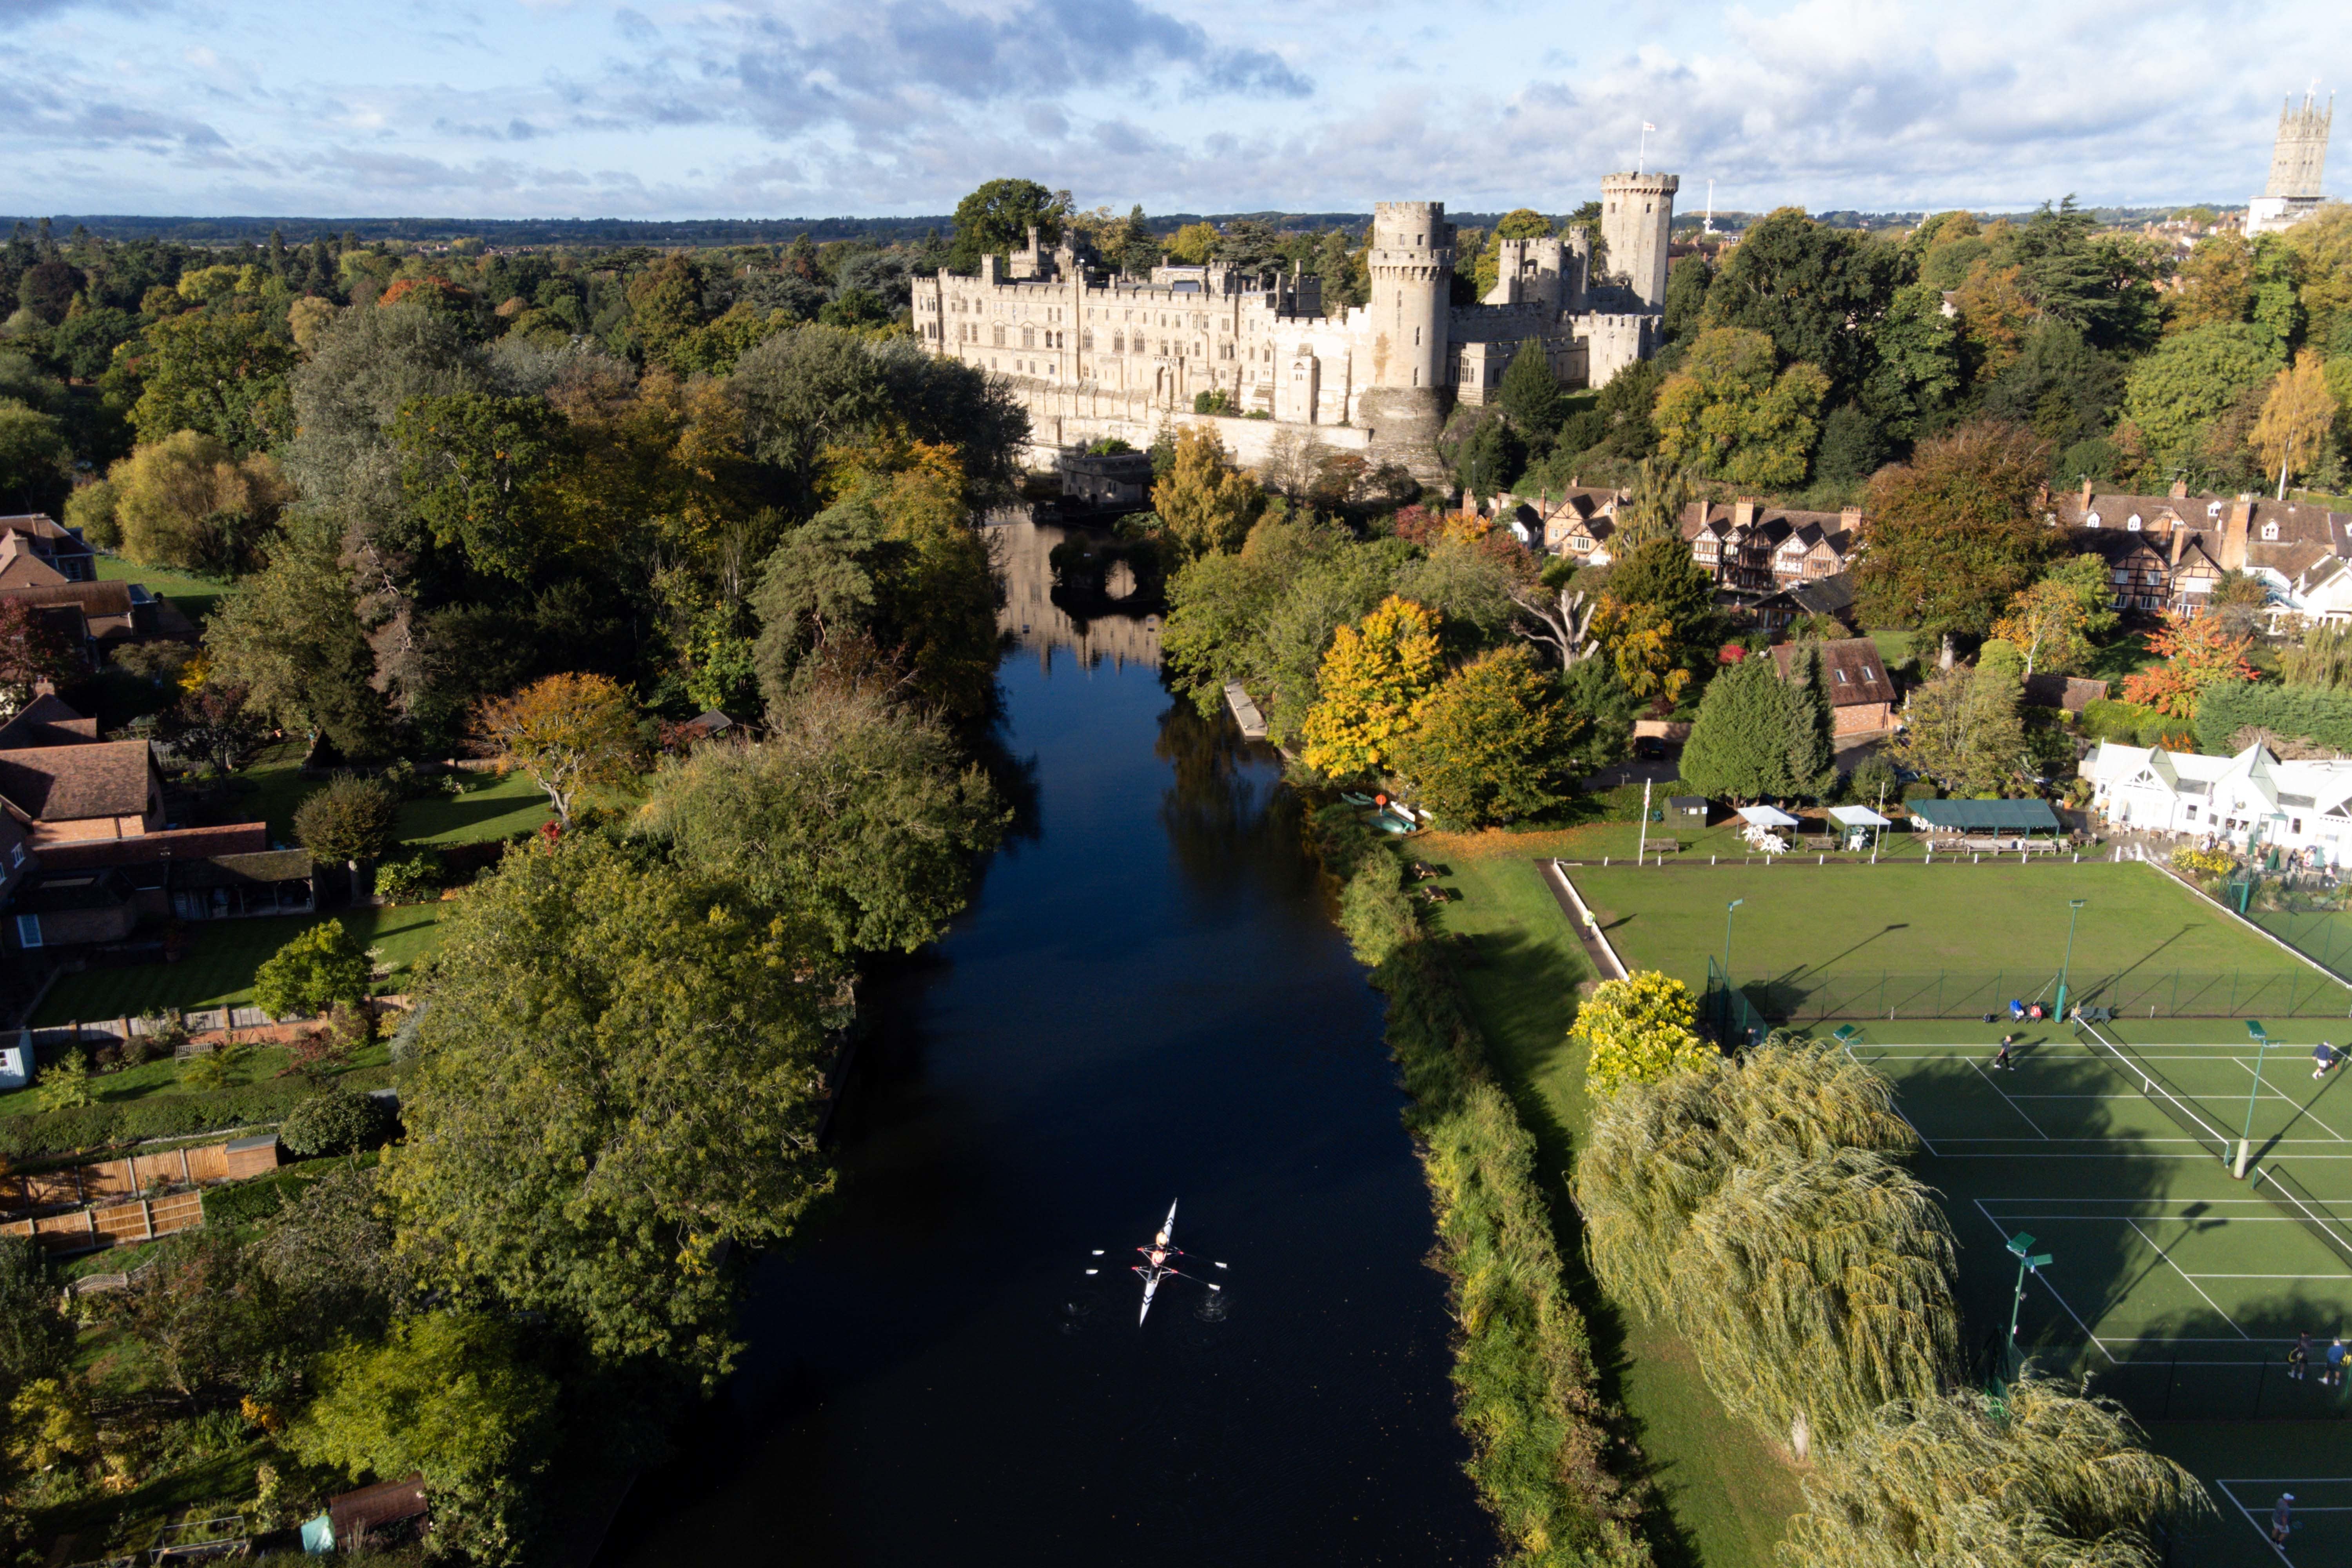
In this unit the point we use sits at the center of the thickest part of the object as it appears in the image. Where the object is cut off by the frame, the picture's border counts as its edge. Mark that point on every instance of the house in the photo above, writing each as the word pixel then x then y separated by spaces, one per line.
pixel 1111 480
pixel 1861 694
pixel 47 720
pixel 1753 549
pixel 98 617
pixel 100 789
pixel 60 547
pixel 1832 596
pixel 21 566
pixel 1577 522
pixel 2304 807
pixel 2166 553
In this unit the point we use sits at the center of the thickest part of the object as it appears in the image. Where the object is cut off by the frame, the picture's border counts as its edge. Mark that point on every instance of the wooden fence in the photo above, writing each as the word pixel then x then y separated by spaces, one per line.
pixel 204 1165
pixel 90 1229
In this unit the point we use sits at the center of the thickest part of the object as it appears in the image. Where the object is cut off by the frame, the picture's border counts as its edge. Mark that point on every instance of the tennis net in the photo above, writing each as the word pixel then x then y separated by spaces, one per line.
pixel 2293 1199
pixel 2212 1139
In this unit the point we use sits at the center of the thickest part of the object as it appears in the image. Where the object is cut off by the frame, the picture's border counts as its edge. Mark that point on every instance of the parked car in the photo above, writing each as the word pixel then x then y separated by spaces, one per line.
pixel 1650 749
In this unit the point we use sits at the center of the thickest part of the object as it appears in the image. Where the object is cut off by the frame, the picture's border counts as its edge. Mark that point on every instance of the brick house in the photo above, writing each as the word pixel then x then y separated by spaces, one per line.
pixel 1751 549
pixel 43 538
pixel 99 789
pixel 2166 553
pixel 1861 695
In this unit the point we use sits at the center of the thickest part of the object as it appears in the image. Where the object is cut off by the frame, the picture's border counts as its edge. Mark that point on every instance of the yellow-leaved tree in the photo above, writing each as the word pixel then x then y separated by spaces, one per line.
pixel 2290 436
pixel 1203 502
pixel 1371 689
pixel 1638 1030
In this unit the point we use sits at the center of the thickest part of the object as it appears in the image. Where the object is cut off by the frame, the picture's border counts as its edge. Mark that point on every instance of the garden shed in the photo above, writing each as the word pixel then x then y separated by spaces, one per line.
pixel 1687 806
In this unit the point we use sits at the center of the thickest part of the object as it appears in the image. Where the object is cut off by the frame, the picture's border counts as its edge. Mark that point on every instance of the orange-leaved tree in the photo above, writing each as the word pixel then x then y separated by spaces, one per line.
pixel 2196 654
pixel 569 732
pixel 1371 689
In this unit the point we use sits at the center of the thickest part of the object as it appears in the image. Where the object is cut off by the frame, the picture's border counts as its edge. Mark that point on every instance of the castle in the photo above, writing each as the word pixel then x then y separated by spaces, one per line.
pixel 1094 354
pixel 2298 160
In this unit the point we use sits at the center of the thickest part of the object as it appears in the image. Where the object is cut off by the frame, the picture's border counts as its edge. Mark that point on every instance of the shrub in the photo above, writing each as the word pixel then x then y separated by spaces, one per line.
pixel 410 878
pixel 1923 789
pixel 64 1084
pixel 347 819
pixel 338 1121
pixel 164 1115
pixel 1376 912
pixel 310 974
pixel 2191 861
pixel 1874 772
pixel 1639 1030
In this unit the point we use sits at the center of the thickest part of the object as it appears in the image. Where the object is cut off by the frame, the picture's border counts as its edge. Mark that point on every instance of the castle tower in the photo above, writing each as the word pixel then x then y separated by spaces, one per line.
pixel 1411 267
pixel 1637 220
pixel 1528 272
pixel 2298 162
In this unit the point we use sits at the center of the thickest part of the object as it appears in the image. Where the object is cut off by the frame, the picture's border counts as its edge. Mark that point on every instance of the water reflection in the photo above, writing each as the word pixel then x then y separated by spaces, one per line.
pixel 1030 620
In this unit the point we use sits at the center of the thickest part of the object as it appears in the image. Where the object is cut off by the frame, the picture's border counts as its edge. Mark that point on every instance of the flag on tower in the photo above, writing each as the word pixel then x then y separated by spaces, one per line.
pixel 1647 126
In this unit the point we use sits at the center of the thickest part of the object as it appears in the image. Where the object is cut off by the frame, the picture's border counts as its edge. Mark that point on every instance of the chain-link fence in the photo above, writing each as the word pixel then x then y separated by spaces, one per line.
pixel 1961 994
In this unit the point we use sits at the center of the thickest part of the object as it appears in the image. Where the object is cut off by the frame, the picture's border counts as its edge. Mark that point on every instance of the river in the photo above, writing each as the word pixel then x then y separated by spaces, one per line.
pixel 1146 1001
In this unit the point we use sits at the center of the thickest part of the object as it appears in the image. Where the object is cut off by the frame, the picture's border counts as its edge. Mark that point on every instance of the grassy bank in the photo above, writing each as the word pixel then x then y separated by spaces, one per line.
pixel 217 970
pixel 1726 1497
pixel 1544 1456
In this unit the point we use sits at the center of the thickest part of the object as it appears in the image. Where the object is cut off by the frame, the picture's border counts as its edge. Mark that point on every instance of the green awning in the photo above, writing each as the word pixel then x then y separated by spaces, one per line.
pixel 1987 816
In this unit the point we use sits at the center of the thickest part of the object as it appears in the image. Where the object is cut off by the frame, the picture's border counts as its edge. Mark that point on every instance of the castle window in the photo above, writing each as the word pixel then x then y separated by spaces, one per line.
pixel 1028 338
pixel 1000 341
pixel 1086 338
pixel 1118 343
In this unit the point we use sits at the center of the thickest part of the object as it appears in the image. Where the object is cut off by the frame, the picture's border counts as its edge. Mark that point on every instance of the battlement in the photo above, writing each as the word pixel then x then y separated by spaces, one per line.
pixel 1645 184
pixel 1410 234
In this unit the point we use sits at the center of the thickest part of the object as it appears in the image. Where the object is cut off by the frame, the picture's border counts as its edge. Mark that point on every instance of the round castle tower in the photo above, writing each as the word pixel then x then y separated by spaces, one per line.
pixel 1411 267
pixel 1637 223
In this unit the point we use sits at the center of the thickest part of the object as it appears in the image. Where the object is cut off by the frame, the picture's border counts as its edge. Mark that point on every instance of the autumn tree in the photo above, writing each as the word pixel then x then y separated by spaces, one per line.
pixel 2173 397
pixel 1488 746
pixel 319 968
pixel 2053 622
pixel 1963 728
pixel 1652 509
pixel 2197 653
pixel 996 219
pixel 222 373
pixel 351 818
pixel 1639 1030
pixel 1730 412
pixel 32 650
pixel 1644 648
pixel 1203 502
pixel 187 502
pixel 2290 437
pixel 570 732
pixel 1370 688
pixel 1952 535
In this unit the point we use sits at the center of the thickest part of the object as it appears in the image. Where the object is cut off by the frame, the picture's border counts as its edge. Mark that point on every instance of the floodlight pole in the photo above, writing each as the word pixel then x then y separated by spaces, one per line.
pixel 2021 1246
pixel 1641 849
pixel 1728 908
pixel 1878 834
pixel 2067 967
pixel 2246 1142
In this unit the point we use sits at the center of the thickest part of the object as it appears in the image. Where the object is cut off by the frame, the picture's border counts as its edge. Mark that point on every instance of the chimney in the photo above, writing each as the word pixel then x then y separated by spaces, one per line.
pixel 2086 492
pixel 2179 490
pixel 1849 517
pixel 2233 537
pixel 1743 514
pixel 2180 542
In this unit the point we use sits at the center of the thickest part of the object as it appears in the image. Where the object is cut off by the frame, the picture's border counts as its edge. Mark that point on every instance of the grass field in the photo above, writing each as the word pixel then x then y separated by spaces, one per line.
pixel 222 957
pixel 491 807
pixel 1727 1496
pixel 1991 932
pixel 193 595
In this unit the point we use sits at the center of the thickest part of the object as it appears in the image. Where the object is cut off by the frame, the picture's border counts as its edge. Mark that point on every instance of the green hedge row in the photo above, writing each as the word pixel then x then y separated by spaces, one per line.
pixel 1543 1456
pixel 2295 713
pixel 103 1125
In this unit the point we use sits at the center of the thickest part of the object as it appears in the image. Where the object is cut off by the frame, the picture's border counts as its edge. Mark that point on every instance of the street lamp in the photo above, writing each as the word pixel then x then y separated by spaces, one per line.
pixel 2075 905
pixel 2246 1142
pixel 2021 1246
pixel 1728 908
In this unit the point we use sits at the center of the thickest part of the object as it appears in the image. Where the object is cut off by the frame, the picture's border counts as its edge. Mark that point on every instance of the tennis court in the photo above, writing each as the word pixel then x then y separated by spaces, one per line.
pixel 2319 1532
pixel 2177 1287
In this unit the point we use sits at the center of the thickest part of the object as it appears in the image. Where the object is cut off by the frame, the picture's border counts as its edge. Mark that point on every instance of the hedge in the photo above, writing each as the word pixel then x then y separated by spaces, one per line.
pixel 1543 1457
pixel 105 1124
pixel 2294 712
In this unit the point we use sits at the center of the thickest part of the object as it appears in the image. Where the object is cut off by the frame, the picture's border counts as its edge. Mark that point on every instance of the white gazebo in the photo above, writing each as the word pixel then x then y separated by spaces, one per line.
pixel 1858 821
pixel 1766 816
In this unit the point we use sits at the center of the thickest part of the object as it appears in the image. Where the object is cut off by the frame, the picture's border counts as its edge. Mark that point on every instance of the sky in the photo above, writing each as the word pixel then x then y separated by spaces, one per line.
pixel 817 108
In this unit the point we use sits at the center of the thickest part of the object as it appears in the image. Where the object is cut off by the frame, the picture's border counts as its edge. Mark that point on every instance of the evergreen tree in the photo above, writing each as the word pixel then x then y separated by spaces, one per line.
pixel 1739 745
pixel 1530 393
pixel 1138 246
pixel 1851 449
pixel 1686 287
pixel 1812 755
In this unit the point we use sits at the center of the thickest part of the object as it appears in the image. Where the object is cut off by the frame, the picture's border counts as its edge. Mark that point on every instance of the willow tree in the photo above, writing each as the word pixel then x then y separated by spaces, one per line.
pixel 1757 1204
pixel 2039 1479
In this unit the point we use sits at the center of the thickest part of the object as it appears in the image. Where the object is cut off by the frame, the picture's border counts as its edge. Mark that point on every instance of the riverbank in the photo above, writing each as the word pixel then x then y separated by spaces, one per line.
pixel 1547 1456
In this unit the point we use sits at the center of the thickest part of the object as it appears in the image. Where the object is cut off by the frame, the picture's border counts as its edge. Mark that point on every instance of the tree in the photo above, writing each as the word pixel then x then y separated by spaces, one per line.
pixel 35 460
pixel 1687 280
pixel 1638 1030
pixel 1916 370
pixel 1964 731
pixel 1813 750
pixel 569 732
pixel 451 1396
pixel 187 502
pixel 1756 1206
pixel 475 467
pixel 1644 648
pixel 1487 748
pixel 995 220
pixel 2290 437
pixel 1195 243
pixel 64 1084
pixel 335 1121
pixel 2197 654
pixel 1952 535
pixel 35 1339
pixel 1203 503
pixel 616 1071
pixel 1817 292
pixel 214 722
pixel 1728 413
pixel 316 970
pixel 2052 622
pixel 1560 617
pixel 222 373
pixel 32 650
pixel 853 816
pixel 2058 385
pixel 291 636
pixel 1530 393
pixel 1739 745
pixel 2038 1476
pixel 2217 283
pixel 1653 510
pixel 2174 395
pixel 351 817
pixel 1138 247
pixel 1371 686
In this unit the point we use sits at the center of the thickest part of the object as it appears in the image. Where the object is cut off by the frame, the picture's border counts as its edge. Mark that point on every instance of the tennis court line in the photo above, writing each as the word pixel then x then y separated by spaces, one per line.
pixel 2260 1528
pixel 2004 1094
pixel 2165 1252
pixel 1895 1100
pixel 2302 1109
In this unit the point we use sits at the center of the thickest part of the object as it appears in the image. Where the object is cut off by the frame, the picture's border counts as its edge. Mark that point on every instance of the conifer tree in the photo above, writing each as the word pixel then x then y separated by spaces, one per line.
pixel 1812 756
pixel 1530 393
pixel 1739 745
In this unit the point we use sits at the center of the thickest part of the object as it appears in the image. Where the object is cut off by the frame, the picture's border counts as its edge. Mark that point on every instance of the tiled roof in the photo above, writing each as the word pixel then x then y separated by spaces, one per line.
pixel 1852 670
pixel 178 843
pixel 67 784
pixel 47 720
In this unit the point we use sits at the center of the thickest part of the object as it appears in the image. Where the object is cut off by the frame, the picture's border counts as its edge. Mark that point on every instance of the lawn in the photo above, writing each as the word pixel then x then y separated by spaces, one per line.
pixel 193 595
pixel 491 807
pixel 1950 937
pixel 222 957
pixel 1727 1496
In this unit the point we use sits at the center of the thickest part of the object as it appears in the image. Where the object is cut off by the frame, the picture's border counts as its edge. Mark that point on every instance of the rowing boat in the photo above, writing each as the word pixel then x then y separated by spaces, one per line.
pixel 1154 1267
